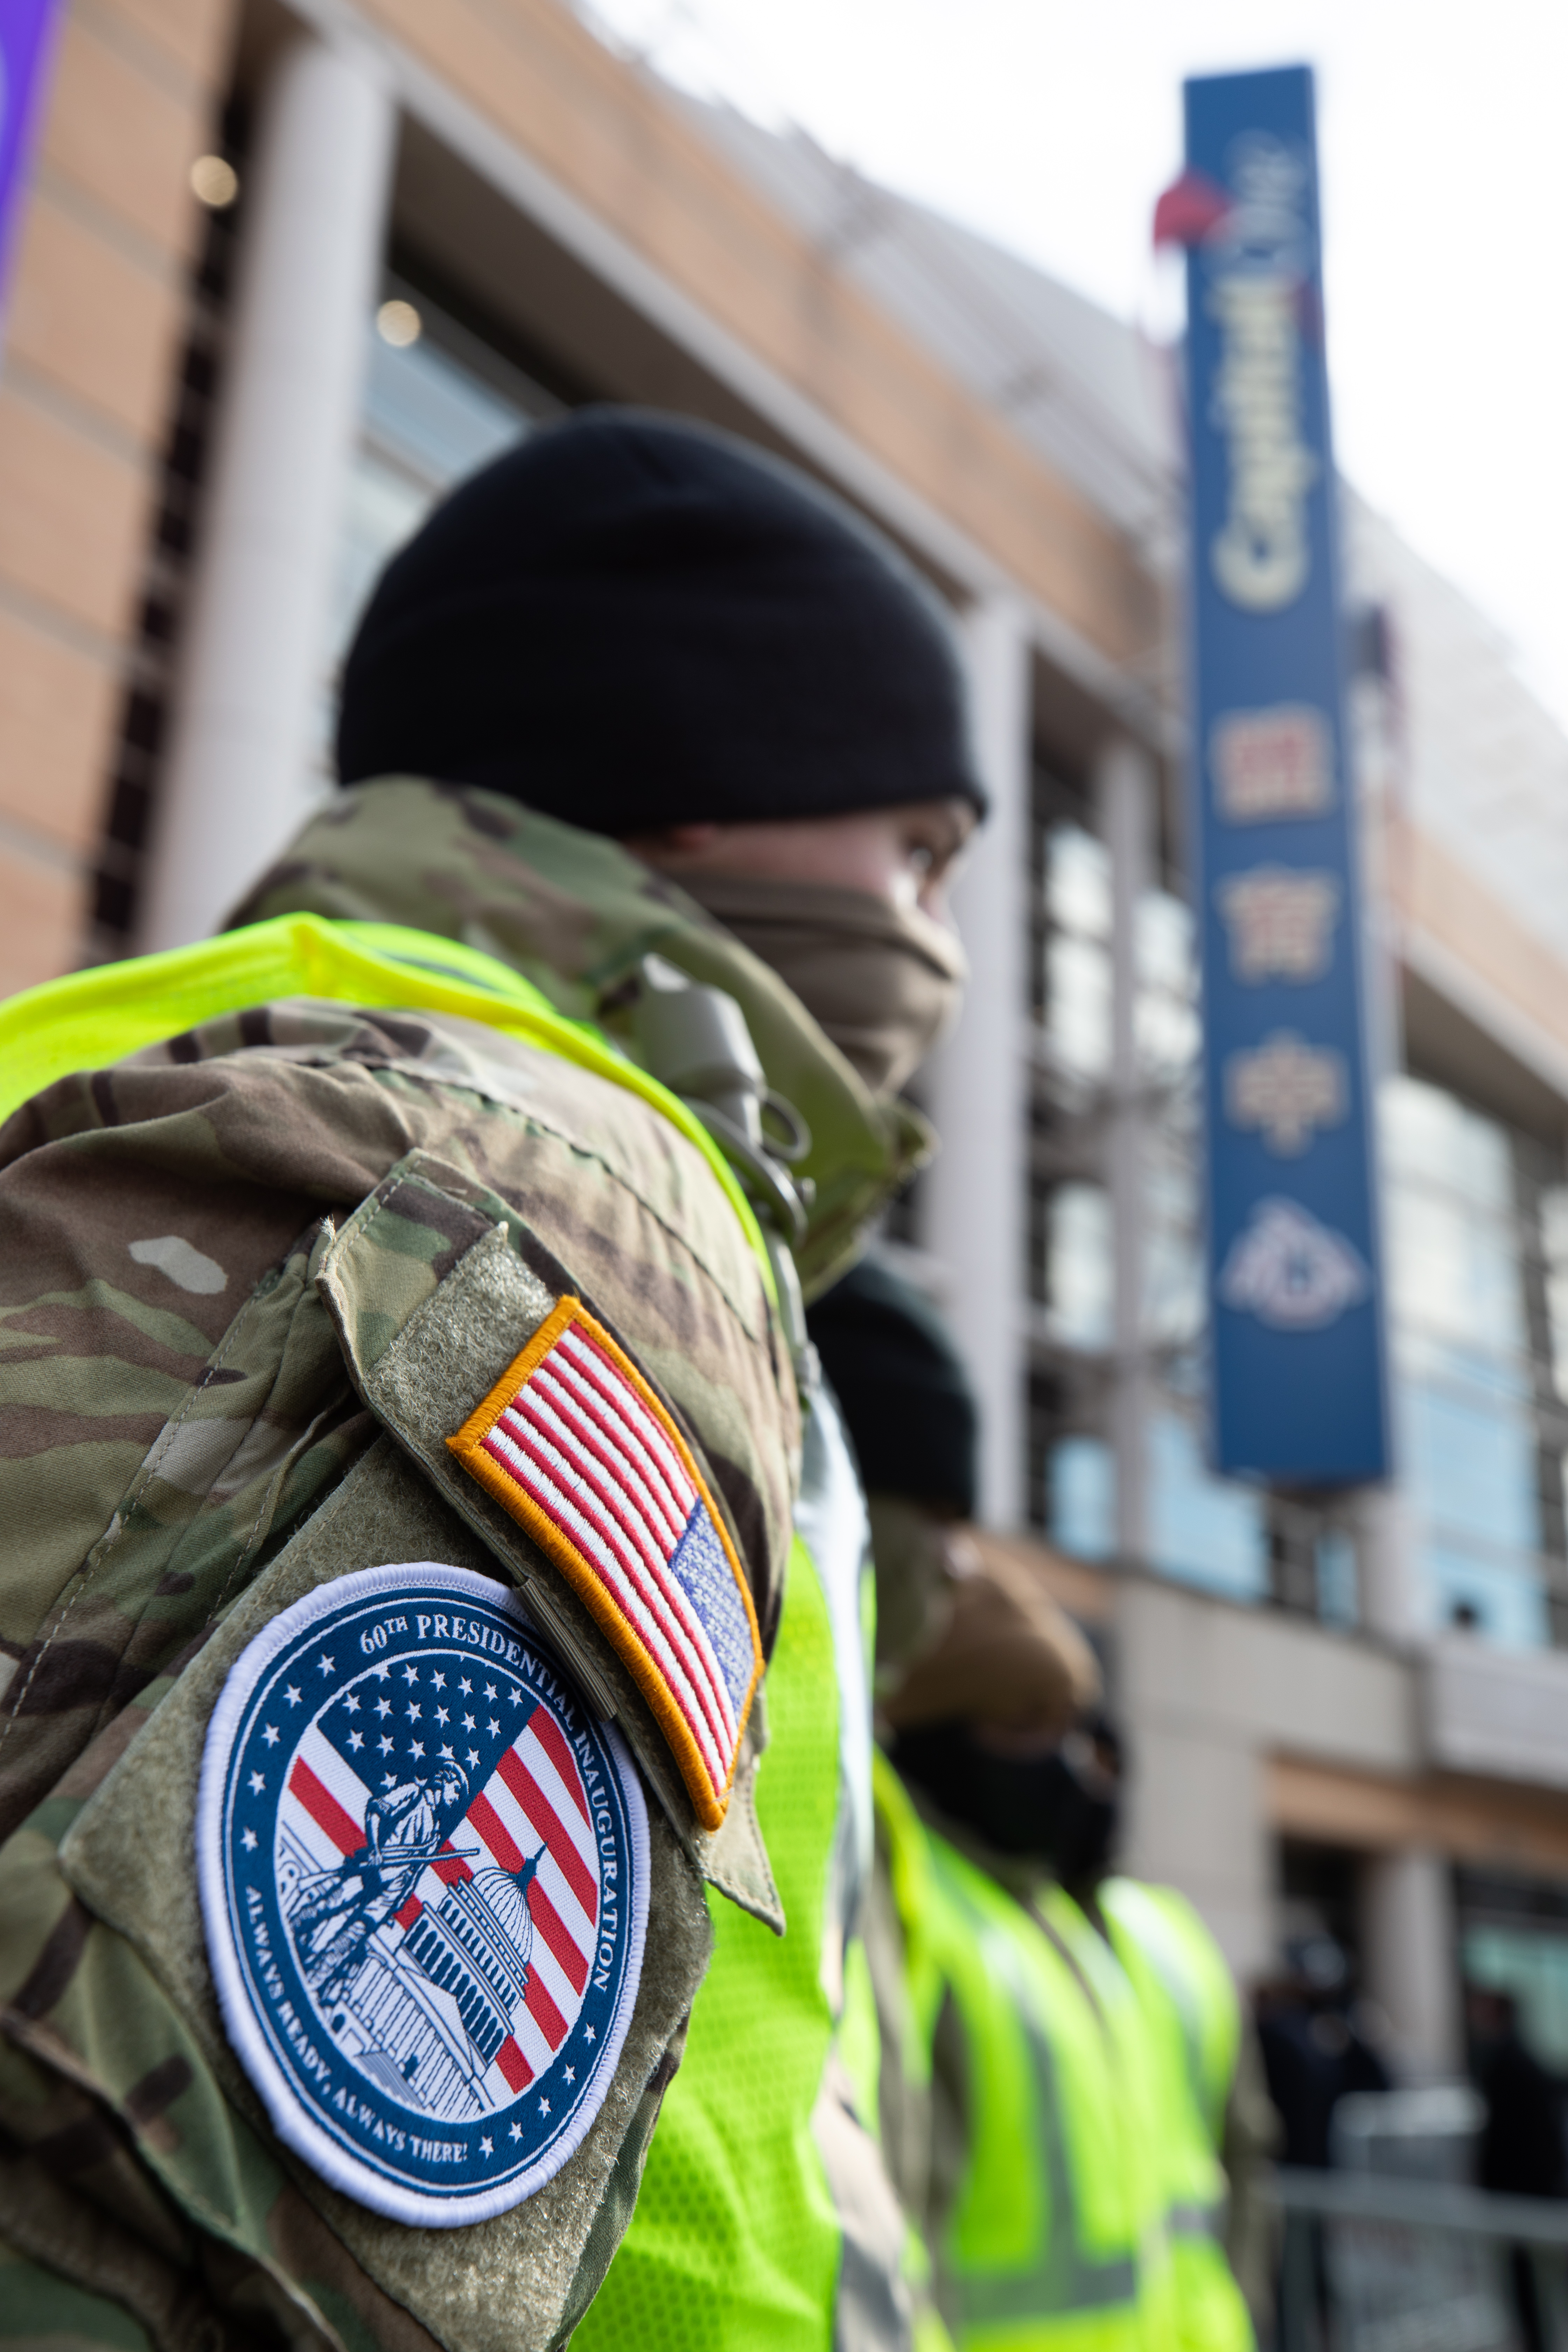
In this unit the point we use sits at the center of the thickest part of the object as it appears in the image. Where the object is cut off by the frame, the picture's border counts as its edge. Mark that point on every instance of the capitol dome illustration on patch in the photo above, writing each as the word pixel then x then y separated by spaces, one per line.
pixel 424 1880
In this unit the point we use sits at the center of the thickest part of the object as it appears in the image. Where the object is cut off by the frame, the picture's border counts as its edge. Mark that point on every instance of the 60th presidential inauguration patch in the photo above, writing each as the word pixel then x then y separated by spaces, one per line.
pixel 573 1442
pixel 424 1877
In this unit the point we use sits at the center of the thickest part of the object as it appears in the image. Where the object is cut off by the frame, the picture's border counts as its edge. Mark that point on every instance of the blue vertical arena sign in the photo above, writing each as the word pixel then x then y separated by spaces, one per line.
pixel 1299 1391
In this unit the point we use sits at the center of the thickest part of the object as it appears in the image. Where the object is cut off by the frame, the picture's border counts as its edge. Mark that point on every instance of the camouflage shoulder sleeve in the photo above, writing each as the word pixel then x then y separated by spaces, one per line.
pixel 186 1399
pixel 171 1394
pixel 136 2121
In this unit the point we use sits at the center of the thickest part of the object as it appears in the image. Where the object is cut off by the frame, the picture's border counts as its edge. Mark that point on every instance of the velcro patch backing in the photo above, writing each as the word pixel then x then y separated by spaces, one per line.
pixel 572 1443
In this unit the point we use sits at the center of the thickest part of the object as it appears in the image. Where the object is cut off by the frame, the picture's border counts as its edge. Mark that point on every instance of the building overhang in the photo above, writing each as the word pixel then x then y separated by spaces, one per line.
pixel 563 188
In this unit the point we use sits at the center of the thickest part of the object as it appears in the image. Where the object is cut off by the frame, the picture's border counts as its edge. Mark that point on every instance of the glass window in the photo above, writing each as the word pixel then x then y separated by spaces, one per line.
pixel 1078 883
pixel 1203 1530
pixel 1554 1257
pixel 1077 995
pixel 1475 1242
pixel 1472 1468
pixel 1174 1307
pixel 1454 1285
pixel 1338 1579
pixel 1072 987
pixel 1532 1965
pixel 1077 1287
pixel 1430 1138
pixel 1166 944
pixel 1075 987
pixel 1082 1482
pixel 1166 1020
pixel 1455 1246
pixel 426 402
pixel 1501 1600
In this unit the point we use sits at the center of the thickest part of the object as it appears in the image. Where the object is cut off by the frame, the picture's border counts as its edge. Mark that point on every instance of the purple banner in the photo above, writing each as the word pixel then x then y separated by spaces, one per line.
pixel 25 39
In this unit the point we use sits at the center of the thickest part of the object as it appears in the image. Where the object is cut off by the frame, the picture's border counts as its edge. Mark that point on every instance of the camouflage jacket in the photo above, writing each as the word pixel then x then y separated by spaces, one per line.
pixel 576 913
pixel 212 1259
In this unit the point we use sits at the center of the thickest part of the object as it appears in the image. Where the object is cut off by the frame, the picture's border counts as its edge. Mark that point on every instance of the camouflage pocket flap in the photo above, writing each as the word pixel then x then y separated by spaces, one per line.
pixel 481 1353
pixel 337 2007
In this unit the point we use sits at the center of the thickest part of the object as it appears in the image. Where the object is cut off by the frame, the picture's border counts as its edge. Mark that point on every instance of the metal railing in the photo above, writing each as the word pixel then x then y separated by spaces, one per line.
pixel 1372 2262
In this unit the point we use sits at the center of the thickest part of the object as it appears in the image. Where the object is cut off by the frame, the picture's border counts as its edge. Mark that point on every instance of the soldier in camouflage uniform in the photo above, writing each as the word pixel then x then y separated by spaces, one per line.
pixel 257 1269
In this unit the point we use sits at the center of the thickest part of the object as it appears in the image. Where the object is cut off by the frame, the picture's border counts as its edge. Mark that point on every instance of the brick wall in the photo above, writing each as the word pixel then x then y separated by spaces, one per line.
pixel 94 329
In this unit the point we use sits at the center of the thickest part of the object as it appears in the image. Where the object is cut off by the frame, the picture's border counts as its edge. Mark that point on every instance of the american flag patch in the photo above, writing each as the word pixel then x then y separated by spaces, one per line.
pixel 575 1444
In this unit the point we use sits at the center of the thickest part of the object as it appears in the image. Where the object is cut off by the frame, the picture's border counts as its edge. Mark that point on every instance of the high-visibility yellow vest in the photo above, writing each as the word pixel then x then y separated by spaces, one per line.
pixel 736 2241
pixel 1193 2025
pixel 743 2237
pixel 1054 2243
pixel 89 1019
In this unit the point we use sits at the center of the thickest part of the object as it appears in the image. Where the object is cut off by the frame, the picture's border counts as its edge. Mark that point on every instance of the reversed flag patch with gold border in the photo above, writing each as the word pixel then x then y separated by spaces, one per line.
pixel 573 1442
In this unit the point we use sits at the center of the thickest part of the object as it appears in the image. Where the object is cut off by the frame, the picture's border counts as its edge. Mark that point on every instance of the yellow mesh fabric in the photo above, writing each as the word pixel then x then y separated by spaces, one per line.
pixel 734 2242
pixel 88 1019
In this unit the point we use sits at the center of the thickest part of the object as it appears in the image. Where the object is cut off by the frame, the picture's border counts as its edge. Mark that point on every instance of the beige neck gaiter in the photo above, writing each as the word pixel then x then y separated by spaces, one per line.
pixel 883 981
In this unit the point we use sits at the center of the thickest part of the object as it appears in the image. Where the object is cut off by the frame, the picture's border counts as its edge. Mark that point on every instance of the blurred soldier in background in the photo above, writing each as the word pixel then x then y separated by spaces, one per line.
pixel 1521 2151
pixel 1316 2044
pixel 1311 2029
pixel 1043 2202
pixel 1064 2082
pixel 1217 2129
pixel 913 1417
pixel 644 734
pixel 1011 2090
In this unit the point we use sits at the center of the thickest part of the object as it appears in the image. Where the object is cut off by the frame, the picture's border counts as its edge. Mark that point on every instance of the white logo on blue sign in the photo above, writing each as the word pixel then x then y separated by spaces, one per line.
pixel 424 1878
pixel 1292 1272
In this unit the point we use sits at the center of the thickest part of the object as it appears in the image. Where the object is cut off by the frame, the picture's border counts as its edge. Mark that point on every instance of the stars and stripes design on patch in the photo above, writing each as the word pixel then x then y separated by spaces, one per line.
pixel 424 1873
pixel 530 1819
pixel 573 1443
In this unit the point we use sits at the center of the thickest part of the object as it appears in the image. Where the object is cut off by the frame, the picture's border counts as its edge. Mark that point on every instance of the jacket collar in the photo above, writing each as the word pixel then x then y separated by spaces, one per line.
pixel 576 913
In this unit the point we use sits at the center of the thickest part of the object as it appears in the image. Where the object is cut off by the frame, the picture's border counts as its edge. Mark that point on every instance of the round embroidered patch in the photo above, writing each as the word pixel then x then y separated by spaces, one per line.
pixel 424 1875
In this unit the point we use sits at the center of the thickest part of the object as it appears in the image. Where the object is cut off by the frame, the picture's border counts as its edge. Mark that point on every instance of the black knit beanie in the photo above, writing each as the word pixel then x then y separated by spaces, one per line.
pixel 631 622
pixel 905 1395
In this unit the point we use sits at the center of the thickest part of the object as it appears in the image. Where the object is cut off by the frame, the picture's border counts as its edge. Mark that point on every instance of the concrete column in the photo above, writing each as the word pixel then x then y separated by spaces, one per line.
pixel 1189 1673
pixel 1124 788
pixel 1408 1922
pixel 236 782
pixel 976 1205
pixel 1393 1601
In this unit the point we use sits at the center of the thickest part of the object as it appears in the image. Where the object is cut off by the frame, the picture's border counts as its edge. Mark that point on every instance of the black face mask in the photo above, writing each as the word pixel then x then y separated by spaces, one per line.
pixel 1034 1807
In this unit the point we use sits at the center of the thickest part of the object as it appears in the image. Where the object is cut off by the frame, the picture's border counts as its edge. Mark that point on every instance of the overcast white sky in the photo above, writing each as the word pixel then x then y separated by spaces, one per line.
pixel 1051 125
